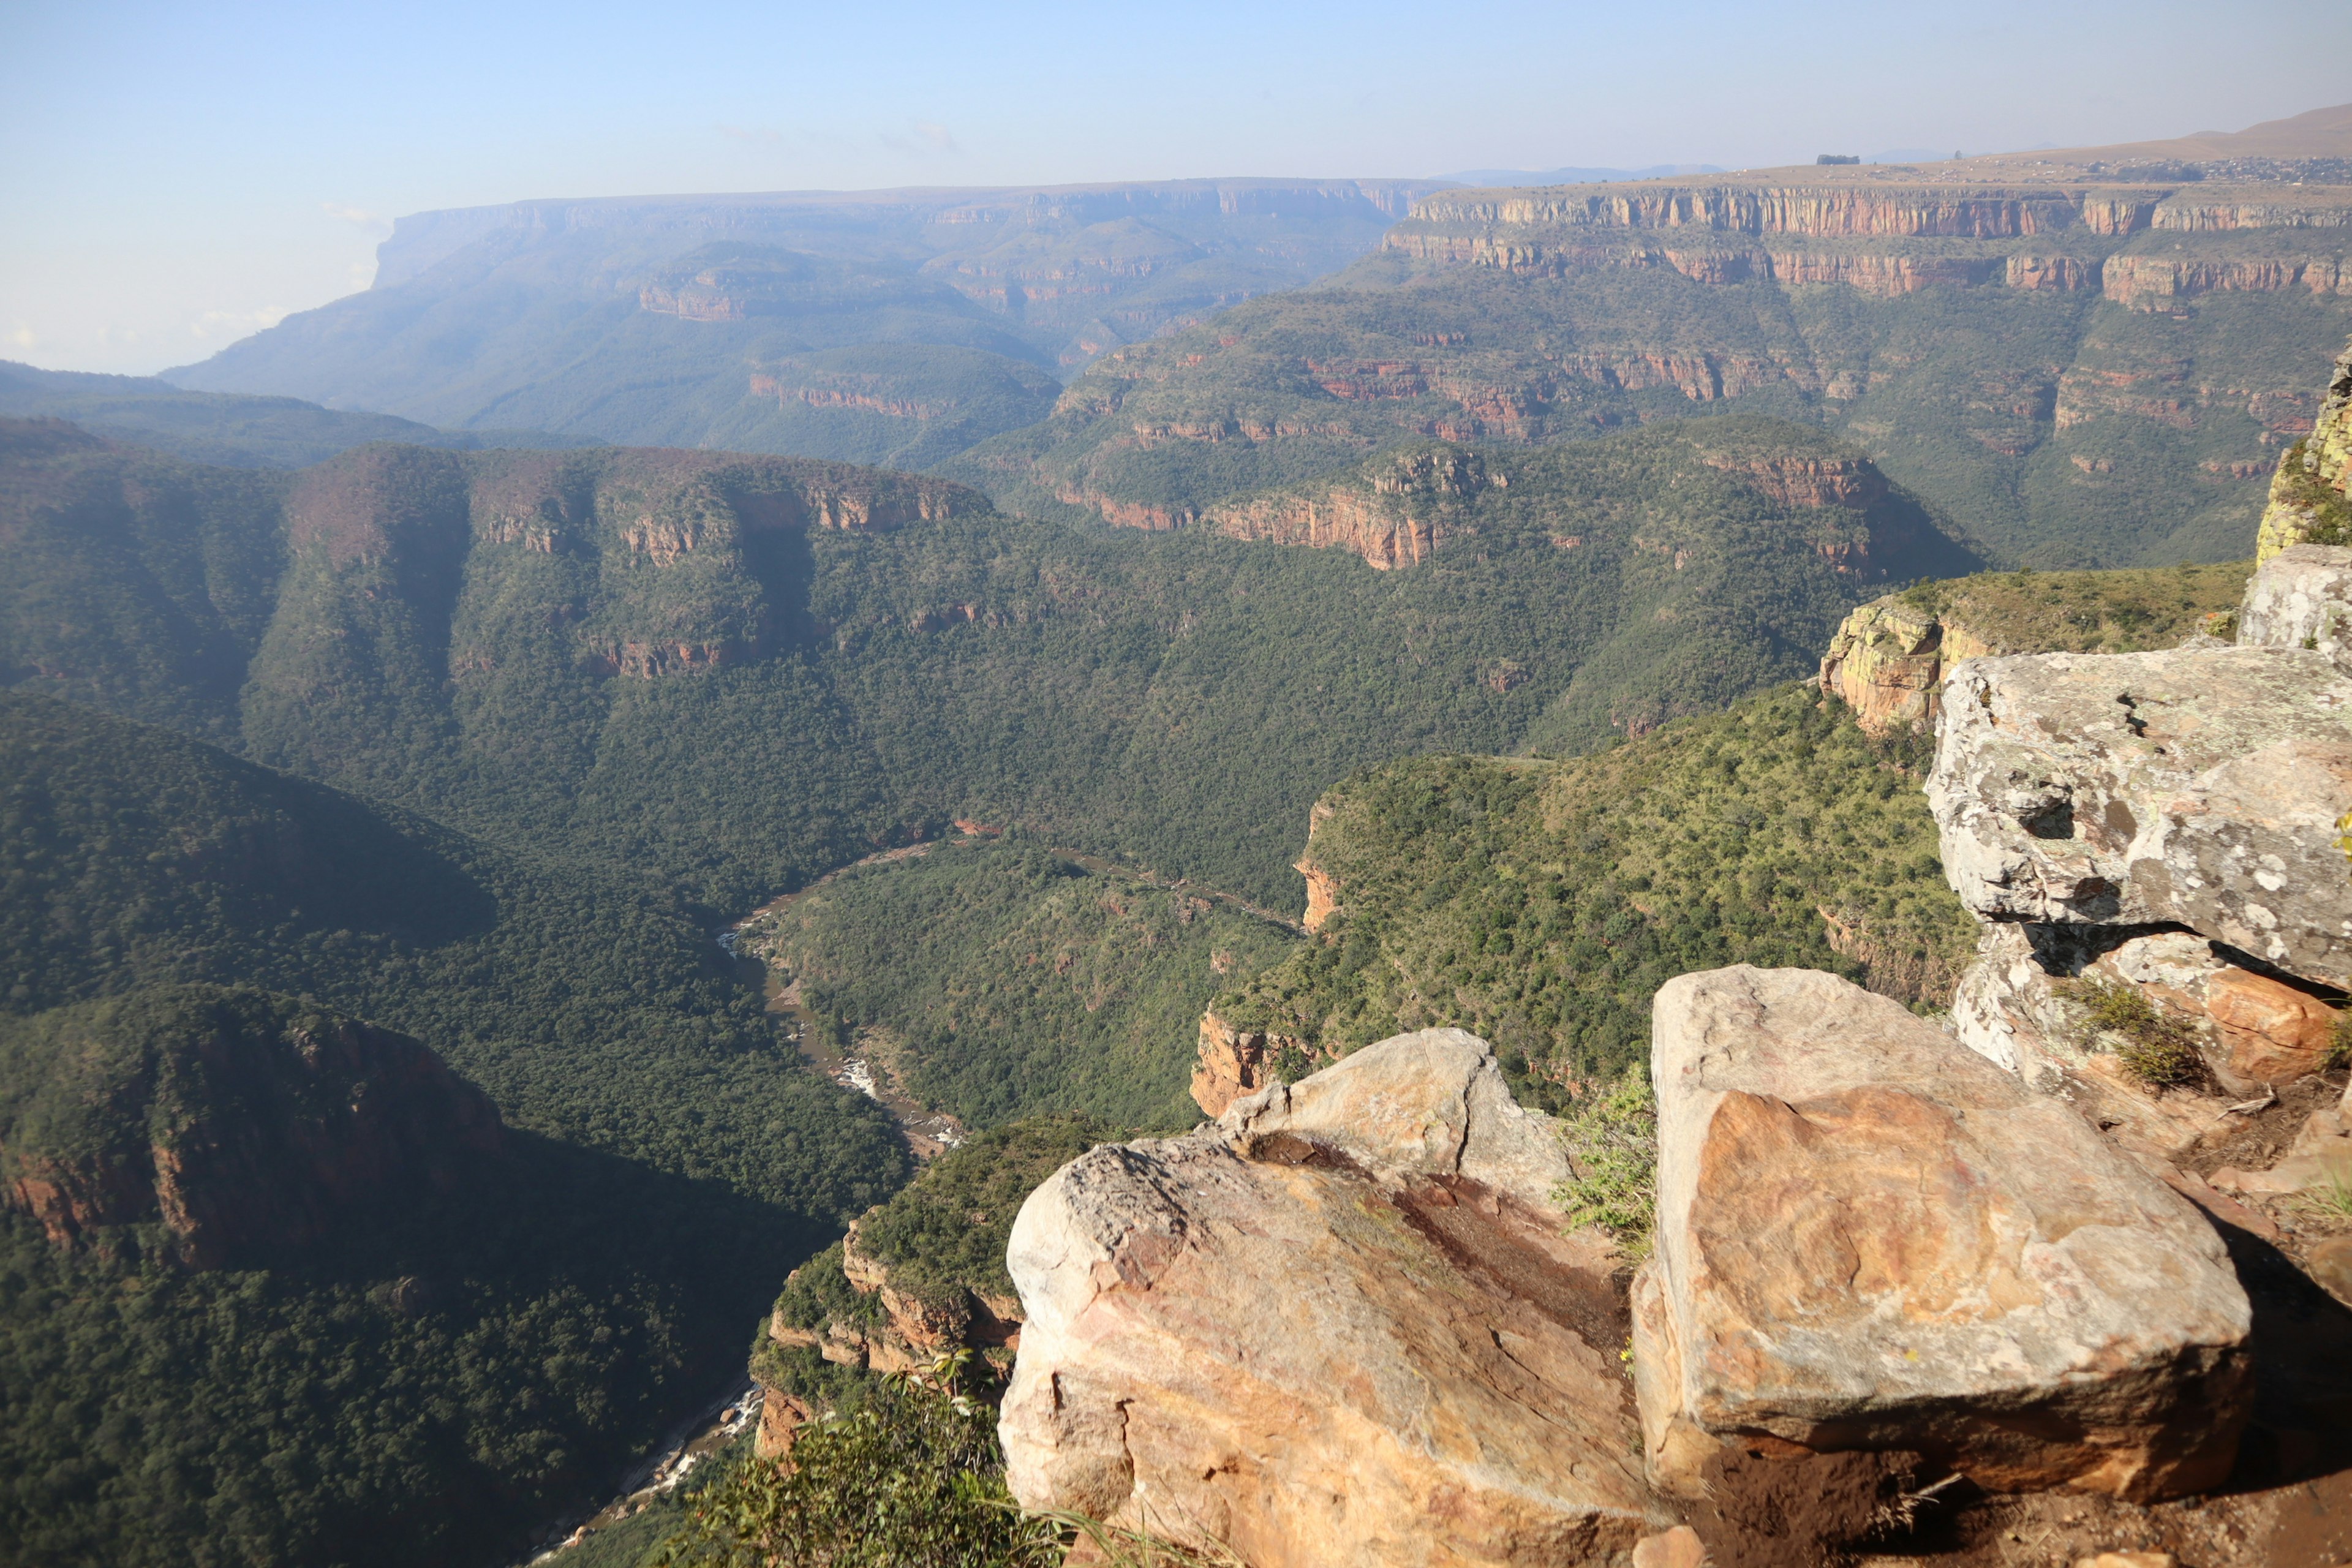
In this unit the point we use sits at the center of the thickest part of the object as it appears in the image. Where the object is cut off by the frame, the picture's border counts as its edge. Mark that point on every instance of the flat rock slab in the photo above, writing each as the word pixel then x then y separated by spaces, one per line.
pixel 2201 787
pixel 1871 1237
pixel 1342 1325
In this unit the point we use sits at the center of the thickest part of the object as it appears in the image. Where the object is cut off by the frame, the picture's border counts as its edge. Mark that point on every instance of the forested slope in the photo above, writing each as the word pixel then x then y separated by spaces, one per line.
pixel 998 980
pixel 742 672
pixel 430 1371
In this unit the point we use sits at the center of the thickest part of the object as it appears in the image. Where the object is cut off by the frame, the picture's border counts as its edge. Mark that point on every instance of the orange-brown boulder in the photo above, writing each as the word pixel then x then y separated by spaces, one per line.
pixel 1345 1324
pixel 1870 1237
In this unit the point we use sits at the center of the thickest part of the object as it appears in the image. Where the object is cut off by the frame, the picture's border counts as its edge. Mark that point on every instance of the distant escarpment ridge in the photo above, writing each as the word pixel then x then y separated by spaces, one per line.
pixel 525 641
pixel 876 326
pixel 2092 361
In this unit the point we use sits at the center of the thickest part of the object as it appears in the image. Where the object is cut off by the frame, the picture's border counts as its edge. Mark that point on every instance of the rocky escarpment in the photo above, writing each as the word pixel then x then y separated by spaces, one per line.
pixel 238 1122
pixel 2308 499
pixel 1396 511
pixel 917 1277
pixel 1883 1266
pixel 2100 804
pixel 2141 246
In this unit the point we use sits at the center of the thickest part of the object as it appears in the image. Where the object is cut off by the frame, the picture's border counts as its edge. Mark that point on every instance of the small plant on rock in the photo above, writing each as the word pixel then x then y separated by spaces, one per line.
pixel 2154 1045
pixel 1612 1145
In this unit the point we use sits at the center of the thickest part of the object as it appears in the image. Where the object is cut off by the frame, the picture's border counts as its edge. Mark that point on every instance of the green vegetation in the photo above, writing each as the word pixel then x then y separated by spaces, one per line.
pixel 941 1238
pixel 1612 1143
pixel 1540 904
pixel 996 980
pixel 947 1230
pixel 446 636
pixel 423 1382
pixel 2085 611
pixel 2157 1048
pixel 912 1479
pixel 2305 491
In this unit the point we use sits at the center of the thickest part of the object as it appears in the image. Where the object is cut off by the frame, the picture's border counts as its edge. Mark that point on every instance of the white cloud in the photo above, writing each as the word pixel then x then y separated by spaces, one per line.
pixel 755 135
pixel 213 325
pixel 358 217
pixel 925 136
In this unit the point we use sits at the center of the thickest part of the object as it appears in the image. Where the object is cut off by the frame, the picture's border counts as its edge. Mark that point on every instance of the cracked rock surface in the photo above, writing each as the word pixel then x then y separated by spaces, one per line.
pixel 1871 1237
pixel 2198 786
pixel 1341 1324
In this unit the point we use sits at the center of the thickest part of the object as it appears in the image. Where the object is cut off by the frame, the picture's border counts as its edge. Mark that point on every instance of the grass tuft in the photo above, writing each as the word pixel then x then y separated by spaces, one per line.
pixel 2154 1047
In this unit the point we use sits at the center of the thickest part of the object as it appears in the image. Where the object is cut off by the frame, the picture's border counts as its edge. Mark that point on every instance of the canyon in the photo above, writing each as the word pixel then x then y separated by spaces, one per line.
pixel 1848 1296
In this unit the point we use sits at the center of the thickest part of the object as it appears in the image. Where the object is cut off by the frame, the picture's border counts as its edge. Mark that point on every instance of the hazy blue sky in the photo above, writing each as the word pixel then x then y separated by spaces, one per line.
pixel 174 176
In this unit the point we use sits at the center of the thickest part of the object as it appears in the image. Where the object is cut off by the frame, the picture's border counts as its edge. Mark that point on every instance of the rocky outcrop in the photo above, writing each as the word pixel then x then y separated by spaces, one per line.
pixel 1437 1384
pixel 2196 787
pixel 242 1122
pixel 1803 479
pixel 2018 1007
pixel 2321 1155
pixel 2308 499
pixel 1231 1063
pixel 1394 512
pixel 1342 519
pixel 911 1329
pixel 1887 663
pixel 2153 282
pixel 1868 1237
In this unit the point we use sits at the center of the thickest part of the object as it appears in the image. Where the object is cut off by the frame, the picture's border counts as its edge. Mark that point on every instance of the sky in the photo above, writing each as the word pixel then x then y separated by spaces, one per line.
pixel 175 176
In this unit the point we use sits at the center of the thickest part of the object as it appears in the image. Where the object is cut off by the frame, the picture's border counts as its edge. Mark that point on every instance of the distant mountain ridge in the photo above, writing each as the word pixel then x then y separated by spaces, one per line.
pixel 873 326
pixel 231 429
pixel 2074 367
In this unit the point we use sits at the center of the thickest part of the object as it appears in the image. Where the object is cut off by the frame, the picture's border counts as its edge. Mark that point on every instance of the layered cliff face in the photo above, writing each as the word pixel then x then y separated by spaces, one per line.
pixel 2129 243
pixel 2116 398
pixel 917 1277
pixel 240 1122
pixel 2307 504
pixel 1396 511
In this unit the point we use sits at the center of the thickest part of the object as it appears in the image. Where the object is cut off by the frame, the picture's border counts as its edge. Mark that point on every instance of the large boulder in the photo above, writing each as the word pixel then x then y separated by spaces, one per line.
pixel 2197 788
pixel 1870 1237
pixel 2301 597
pixel 1343 1324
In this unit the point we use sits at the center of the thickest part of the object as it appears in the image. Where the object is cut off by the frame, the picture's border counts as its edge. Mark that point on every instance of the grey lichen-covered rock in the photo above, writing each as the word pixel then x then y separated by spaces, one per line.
pixel 2201 787
pixel 2301 597
pixel 1870 1237
pixel 2252 1031
pixel 1344 1324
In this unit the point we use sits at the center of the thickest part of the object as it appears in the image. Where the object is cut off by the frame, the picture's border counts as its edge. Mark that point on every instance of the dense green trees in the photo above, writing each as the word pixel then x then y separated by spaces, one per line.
pixel 430 1380
pixel 1540 904
pixel 1001 979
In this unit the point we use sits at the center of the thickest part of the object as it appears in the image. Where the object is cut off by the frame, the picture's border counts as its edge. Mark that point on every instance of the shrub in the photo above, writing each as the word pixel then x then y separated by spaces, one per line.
pixel 1613 1142
pixel 912 1479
